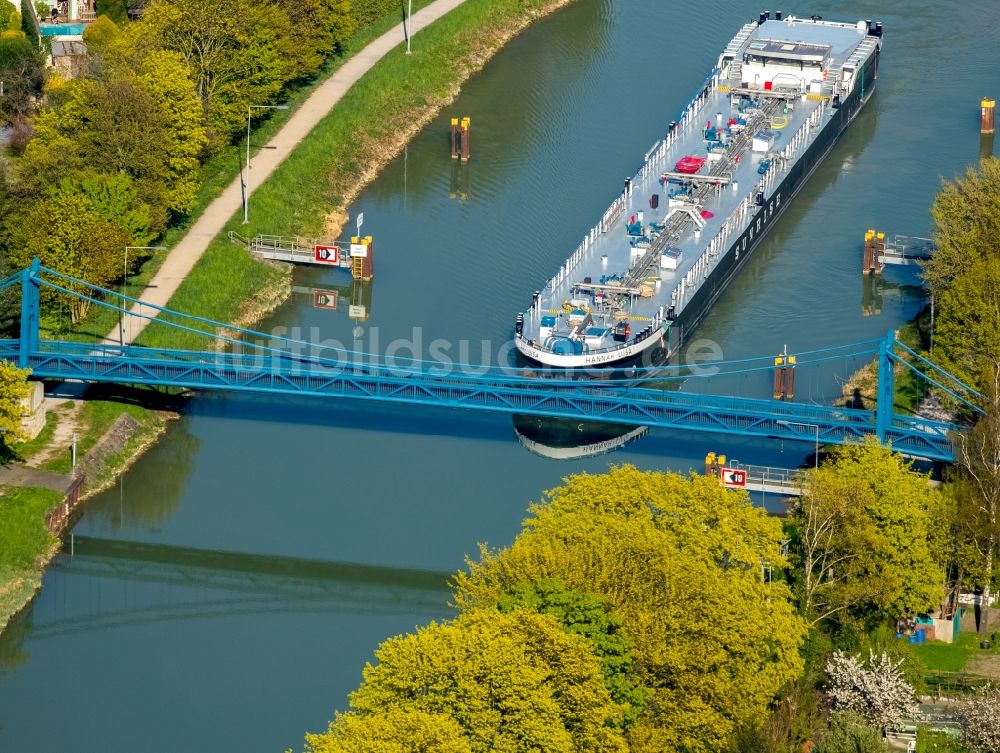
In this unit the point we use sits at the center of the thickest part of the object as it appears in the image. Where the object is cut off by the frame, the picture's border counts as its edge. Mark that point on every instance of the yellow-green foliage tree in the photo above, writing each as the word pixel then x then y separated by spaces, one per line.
pixel 166 77
pixel 317 28
pixel 865 541
pixel 394 731
pixel 964 273
pixel 681 561
pixel 13 388
pixel 81 228
pixel 508 682
pixel 98 35
pixel 594 619
pixel 142 120
pixel 233 49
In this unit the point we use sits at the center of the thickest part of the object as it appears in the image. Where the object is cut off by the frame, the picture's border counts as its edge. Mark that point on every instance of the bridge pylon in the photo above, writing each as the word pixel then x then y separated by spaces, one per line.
pixel 30 312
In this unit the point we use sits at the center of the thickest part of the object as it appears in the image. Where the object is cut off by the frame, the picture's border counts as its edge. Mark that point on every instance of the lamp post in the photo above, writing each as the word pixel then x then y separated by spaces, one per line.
pixel 813 426
pixel 121 315
pixel 246 183
pixel 406 25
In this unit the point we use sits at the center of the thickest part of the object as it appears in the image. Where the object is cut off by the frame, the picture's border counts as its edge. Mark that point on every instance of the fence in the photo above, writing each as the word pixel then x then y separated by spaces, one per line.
pixel 58 517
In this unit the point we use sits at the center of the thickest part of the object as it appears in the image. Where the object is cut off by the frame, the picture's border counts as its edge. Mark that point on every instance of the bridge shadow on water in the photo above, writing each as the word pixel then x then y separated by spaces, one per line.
pixel 174 583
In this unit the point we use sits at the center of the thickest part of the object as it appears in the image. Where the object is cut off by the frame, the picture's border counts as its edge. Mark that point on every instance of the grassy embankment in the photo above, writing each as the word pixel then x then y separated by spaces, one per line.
pixel 862 388
pixel 25 542
pixel 24 539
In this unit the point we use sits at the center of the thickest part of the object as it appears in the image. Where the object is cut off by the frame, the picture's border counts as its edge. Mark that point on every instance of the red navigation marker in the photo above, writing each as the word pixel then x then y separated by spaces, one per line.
pixel 326 254
pixel 734 477
pixel 325 299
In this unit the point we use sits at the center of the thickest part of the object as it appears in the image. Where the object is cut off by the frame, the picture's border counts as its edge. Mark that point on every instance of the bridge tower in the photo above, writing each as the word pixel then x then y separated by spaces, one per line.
pixel 29 312
pixel 886 392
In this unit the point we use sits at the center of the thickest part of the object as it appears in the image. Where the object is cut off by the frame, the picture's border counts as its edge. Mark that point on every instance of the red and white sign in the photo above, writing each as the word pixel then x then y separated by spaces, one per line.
pixel 327 254
pixel 734 477
pixel 325 299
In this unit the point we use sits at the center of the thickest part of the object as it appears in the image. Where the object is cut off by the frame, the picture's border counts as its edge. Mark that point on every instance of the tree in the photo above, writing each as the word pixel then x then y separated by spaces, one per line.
pixel 876 690
pixel 318 28
pixel 395 731
pixel 848 733
pixel 977 489
pixel 592 618
pixel 100 34
pixel 118 127
pixel 21 69
pixel 680 560
pixel 165 76
pixel 233 49
pixel 510 682
pixel 114 10
pixel 964 273
pixel 13 389
pixel 981 720
pixel 81 229
pixel 966 333
pixel 885 543
pixel 966 215
pixel 835 548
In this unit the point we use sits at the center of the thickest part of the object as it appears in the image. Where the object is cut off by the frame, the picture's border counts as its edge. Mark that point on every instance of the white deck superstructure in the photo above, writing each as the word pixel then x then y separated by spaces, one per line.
pixel 776 87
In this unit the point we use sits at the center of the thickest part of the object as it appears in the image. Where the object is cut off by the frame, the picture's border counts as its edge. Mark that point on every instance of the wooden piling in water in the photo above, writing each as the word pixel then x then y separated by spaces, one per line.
pixel 987 123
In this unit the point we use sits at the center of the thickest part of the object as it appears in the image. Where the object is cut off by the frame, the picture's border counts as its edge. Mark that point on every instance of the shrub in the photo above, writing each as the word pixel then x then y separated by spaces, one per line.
pixel 113 9
pixel 99 34
pixel 14 22
pixel 367 12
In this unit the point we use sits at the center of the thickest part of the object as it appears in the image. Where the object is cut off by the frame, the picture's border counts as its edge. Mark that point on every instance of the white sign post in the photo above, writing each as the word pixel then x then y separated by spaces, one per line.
pixel 361 221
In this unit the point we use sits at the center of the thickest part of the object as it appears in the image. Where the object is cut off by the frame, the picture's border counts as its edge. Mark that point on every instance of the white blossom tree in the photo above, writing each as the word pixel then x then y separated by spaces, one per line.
pixel 875 689
pixel 981 720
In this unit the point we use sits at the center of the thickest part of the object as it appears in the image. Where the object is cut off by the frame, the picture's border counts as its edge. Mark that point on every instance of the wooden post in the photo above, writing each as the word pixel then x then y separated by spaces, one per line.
pixel 987 123
pixel 454 138
pixel 868 263
pixel 779 377
pixel 466 146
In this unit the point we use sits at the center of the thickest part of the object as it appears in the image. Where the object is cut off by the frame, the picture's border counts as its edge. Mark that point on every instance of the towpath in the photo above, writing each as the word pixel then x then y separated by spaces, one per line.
pixel 183 256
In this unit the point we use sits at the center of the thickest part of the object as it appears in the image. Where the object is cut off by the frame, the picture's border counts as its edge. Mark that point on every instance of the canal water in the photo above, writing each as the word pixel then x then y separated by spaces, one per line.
pixel 226 594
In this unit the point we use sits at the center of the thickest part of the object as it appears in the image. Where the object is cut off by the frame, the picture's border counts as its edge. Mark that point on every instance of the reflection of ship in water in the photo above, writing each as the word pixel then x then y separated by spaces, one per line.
pixel 355 298
pixel 560 439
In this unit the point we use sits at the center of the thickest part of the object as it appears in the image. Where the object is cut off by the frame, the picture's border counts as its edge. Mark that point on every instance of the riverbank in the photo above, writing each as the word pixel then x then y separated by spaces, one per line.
pixel 110 435
pixel 911 393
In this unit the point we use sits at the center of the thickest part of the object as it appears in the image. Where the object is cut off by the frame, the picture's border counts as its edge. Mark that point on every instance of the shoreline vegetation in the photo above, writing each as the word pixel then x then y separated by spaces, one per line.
pixel 343 155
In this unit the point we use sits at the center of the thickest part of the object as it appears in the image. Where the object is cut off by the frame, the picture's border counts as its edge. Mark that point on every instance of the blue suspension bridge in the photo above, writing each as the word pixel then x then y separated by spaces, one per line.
pixel 244 360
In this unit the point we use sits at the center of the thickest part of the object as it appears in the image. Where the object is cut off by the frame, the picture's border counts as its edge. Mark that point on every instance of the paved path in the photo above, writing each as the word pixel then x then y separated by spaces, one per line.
pixel 213 219
pixel 19 475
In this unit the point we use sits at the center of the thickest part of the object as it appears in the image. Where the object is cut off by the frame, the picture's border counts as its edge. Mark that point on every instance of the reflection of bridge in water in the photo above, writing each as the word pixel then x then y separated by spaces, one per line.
pixel 197 583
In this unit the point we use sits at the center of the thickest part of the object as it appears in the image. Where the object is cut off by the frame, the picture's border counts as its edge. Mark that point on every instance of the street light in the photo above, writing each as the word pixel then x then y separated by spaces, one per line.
pixel 813 426
pixel 406 25
pixel 121 317
pixel 246 183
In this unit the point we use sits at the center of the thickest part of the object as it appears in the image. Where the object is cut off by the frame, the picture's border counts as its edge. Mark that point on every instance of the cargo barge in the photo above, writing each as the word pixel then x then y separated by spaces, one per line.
pixel 783 91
